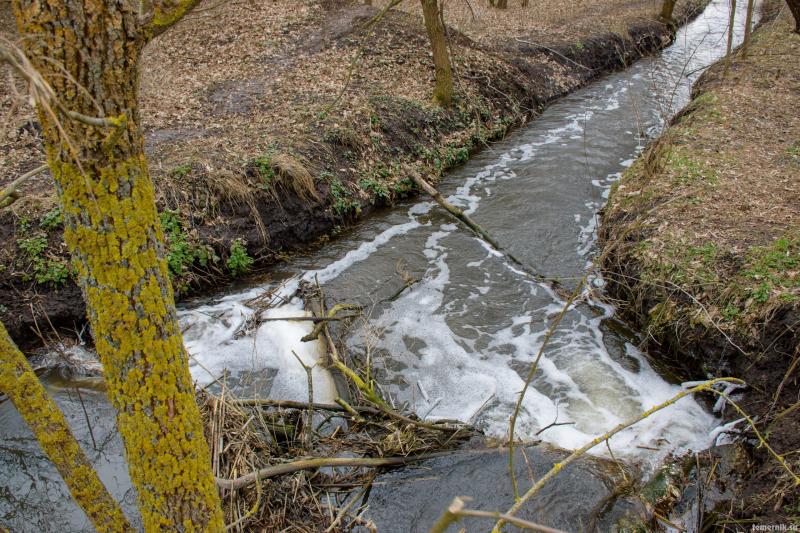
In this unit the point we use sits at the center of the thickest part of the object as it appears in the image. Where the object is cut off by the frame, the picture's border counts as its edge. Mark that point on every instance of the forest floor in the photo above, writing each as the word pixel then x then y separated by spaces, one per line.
pixel 270 126
pixel 702 238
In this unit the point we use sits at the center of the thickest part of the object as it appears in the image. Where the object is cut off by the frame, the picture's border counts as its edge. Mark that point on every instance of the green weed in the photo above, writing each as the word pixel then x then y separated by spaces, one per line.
pixel 52 219
pixel 239 262
pixel 46 271
pixel 183 252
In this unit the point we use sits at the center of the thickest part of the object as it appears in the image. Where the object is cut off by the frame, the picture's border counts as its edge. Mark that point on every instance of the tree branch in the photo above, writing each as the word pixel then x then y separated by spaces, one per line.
pixel 161 15
pixel 456 512
pixel 47 422
pixel 9 195
pixel 318 462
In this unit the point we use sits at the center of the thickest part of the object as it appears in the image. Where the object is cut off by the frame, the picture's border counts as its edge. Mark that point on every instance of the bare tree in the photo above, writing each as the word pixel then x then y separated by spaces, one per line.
pixel 748 27
pixel 667 7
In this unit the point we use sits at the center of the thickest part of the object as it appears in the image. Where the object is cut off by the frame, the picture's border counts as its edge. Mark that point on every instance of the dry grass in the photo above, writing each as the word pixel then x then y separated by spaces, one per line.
pixel 295 175
pixel 230 95
pixel 717 201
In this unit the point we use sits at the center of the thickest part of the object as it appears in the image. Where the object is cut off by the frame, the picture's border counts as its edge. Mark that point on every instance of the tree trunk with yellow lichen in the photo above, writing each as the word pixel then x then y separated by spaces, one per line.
pixel 89 52
pixel 443 93
pixel 23 388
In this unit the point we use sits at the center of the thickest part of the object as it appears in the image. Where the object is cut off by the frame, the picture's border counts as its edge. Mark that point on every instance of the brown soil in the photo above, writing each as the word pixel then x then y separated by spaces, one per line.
pixel 703 248
pixel 260 127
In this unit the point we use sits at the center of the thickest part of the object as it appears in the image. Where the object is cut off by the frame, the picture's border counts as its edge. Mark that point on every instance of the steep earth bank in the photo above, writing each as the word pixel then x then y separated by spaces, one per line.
pixel 702 248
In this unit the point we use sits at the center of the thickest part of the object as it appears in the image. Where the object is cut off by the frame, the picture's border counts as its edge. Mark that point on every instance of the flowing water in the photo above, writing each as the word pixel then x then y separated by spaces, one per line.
pixel 459 342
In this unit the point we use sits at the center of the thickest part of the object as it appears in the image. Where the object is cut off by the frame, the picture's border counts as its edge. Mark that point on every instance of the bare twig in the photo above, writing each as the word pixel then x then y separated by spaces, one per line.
pixel 9 195
pixel 310 415
pixel 455 511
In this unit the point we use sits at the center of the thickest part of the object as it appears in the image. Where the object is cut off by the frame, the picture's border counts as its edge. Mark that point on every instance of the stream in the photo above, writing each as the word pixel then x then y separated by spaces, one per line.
pixel 459 342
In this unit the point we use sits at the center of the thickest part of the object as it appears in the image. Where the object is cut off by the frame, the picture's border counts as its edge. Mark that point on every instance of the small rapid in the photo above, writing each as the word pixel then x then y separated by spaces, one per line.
pixel 458 343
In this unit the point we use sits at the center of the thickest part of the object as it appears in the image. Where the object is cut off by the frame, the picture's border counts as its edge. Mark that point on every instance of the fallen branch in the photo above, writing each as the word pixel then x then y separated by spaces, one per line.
pixel 308 318
pixel 319 462
pixel 479 231
pixel 291 404
pixel 330 316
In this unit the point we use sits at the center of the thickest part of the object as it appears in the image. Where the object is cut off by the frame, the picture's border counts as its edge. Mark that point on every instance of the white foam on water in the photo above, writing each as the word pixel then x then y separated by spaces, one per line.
pixel 475 371
pixel 214 336
pixel 583 383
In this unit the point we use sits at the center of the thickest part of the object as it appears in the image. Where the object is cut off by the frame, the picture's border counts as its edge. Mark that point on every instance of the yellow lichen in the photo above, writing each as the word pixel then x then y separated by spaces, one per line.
pixel 112 230
pixel 42 415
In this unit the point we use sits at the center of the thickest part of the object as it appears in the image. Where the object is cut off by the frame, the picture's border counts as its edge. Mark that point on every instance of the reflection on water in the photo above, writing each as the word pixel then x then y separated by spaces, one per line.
pixel 33 496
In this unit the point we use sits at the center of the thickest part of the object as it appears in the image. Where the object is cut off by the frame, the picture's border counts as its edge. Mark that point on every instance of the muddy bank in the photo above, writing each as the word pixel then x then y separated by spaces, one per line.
pixel 702 243
pixel 238 195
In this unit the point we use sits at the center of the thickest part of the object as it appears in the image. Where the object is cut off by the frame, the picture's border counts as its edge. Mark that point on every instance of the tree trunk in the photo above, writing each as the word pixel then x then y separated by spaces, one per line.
pixel 667 7
pixel 443 93
pixel 794 7
pixel 729 48
pixel 43 416
pixel 748 27
pixel 502 4
pixel 113 233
